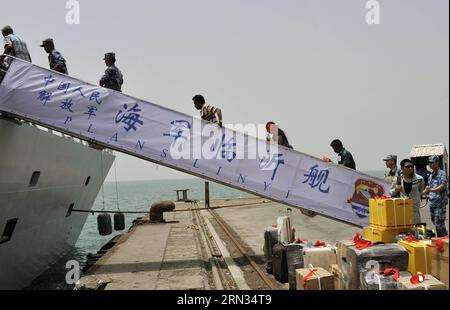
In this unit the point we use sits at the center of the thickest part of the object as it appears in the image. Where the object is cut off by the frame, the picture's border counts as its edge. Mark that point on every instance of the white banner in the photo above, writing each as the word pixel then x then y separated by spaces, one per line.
pixel 155 133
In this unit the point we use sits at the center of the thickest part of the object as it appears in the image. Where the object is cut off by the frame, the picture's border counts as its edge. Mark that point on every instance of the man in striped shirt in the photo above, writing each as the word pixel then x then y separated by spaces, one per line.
pixel 207 112
pixel 14 46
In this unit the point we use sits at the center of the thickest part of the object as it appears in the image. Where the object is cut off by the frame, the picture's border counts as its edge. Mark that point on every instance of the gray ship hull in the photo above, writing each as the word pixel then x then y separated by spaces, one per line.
pixel 67 172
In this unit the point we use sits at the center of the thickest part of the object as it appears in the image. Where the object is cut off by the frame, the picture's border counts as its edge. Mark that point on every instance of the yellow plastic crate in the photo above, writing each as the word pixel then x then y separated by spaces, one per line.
pixel 391 212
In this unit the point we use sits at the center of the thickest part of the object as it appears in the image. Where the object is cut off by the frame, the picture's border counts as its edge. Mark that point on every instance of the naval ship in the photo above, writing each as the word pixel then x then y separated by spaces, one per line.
pixel 43 176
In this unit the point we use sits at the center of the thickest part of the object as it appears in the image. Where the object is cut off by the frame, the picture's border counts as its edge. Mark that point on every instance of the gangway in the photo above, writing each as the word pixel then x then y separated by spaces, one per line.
pixel 155 133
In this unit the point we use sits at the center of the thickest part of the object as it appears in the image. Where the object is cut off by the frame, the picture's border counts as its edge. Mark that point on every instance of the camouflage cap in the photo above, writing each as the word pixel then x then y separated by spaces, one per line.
pixel 390 157
pixel 7 28
pixel 110 56
pixel 48 40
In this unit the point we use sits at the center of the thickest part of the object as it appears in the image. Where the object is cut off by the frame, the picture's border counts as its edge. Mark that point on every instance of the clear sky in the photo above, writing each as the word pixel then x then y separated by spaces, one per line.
pixel 313 66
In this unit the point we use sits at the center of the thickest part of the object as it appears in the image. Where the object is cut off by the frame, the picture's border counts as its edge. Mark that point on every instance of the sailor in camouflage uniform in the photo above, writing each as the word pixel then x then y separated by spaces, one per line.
pixel 55 59
pixel 437 196
pixel 112 78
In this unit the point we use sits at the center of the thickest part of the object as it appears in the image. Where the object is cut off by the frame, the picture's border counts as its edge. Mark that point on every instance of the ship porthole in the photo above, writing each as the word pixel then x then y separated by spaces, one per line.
pixel 69 211
pixel 9 230
pixel 34 178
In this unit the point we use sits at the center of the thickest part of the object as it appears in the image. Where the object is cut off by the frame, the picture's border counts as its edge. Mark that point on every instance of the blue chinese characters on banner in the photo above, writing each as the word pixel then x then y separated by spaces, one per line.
pixel 317 179
pixel 130 117
pixel 48 91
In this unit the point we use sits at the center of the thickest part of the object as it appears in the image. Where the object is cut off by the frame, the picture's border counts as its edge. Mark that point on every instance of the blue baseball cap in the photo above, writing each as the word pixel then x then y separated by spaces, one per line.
pixel 433 159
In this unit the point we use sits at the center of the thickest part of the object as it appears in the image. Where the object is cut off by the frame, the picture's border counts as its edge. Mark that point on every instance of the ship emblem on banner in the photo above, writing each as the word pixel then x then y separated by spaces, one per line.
pixel 364 190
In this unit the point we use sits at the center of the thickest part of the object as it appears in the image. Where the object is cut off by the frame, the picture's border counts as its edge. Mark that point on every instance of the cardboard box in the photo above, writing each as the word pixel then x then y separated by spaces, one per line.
pixel 320 279
pixel 430 283
pixel 342 247
pixel 386 235
pixel 337 274
pixel 320 257
pixel 439 261
pixel 391 213
pixel 420 255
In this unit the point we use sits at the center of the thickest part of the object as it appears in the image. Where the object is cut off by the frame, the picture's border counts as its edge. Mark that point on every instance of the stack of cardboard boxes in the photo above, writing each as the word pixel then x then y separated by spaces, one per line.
pixel 349 267
pixel 353 269
pixel 342 248
pixel 315 274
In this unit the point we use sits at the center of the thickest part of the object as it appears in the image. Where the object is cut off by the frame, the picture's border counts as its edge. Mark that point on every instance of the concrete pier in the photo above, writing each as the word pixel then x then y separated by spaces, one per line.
pixel 153 256
pixel 191 251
